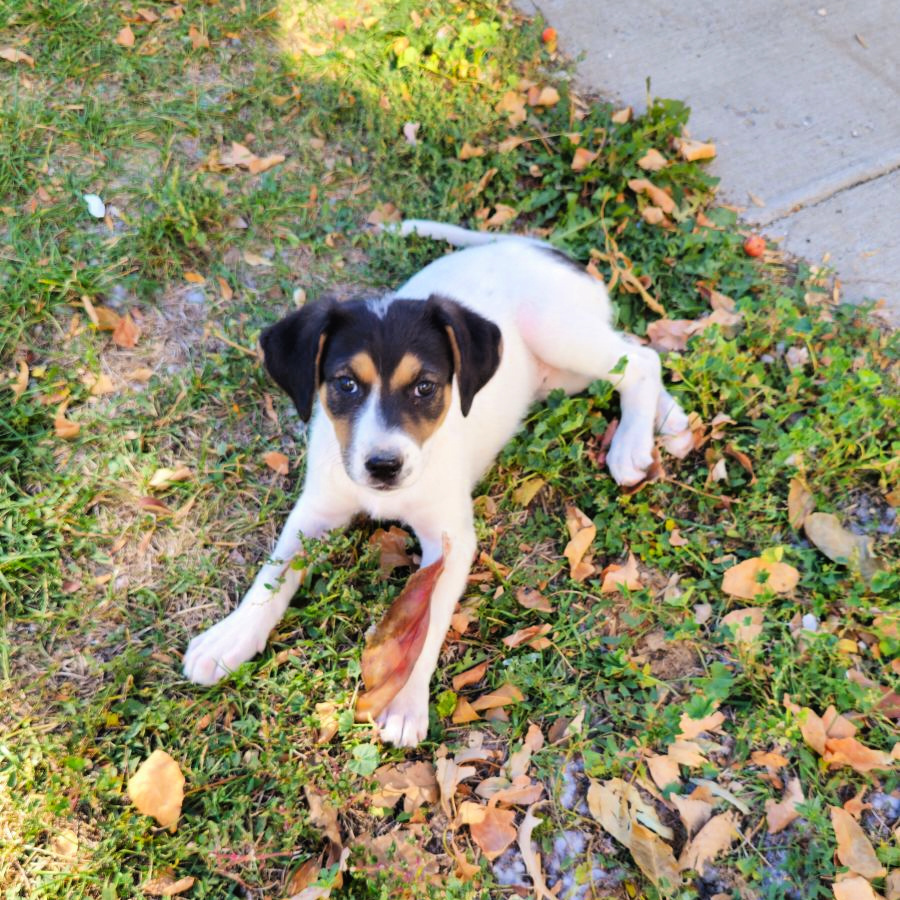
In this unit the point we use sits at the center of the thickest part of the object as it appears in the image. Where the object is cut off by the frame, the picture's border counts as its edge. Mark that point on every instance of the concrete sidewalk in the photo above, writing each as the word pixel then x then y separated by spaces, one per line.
pixel 801 98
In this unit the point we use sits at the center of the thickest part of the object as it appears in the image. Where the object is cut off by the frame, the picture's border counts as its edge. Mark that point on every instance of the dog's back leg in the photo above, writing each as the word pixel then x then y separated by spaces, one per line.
pixel 577 338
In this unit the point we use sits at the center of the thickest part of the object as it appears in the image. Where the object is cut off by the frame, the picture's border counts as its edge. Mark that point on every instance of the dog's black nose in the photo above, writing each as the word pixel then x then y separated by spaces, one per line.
pixel 384 466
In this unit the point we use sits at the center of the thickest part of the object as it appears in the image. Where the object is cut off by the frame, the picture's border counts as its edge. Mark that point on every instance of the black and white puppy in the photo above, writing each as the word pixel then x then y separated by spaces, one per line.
pixel 412 395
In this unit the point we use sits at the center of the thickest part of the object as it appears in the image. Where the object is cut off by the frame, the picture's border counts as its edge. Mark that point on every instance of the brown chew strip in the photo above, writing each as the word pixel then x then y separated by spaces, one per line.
pixel 392 651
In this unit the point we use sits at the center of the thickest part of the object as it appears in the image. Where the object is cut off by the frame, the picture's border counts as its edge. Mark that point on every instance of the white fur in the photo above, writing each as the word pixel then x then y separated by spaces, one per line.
pixel 555 323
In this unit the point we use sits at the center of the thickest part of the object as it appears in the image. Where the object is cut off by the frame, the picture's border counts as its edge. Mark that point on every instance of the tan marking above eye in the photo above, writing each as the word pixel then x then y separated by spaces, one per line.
pixel 422 429
pixel 406 371
pixel 363 367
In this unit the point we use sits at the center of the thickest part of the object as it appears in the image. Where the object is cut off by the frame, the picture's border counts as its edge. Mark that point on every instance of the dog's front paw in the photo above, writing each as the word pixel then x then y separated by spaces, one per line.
pixel 210 656
pixel 404 722
pixel 630 453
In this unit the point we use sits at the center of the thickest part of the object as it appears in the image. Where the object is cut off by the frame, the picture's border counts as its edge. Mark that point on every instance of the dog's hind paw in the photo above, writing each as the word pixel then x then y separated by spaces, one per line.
pixel 404 722
pixel 210 656
pixel 630 454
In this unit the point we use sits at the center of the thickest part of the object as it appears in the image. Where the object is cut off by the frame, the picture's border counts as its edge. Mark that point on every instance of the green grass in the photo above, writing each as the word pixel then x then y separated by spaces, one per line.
pixel 99 596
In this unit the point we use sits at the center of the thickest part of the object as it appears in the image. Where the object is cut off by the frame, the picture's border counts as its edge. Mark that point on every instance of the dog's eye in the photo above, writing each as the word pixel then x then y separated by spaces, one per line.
pixel 347 385
pixel 424 389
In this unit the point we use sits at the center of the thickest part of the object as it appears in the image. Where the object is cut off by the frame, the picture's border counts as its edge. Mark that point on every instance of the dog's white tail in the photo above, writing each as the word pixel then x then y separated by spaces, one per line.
pixel 452 234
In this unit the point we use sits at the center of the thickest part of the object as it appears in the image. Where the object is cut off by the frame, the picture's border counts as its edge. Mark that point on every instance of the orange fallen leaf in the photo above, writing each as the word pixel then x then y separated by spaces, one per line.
pixel 658 197
pixel 384 213
pixel 126 333
pixel 394 648
pixel 855 805
pixel 616 577
pixel 582 159
pixel 415 782
pixel 470 152
pixel 495 831
pixel 745 624
pixel 10 54
pixel 689 728
pixel 547 96
pixel 854 849
pixel 694 811
pixel 157 789
pixel 20 384
pixel 768 758
pixel 502 215
pixel 125 37
pixel 65 428
pixel 695 150
pixel 582 532
pixel 166 885
pixel 621 116
pixel 155 506
pixel 198 38
pixel 532 599
pixel 463 713
pixel 850 752
pixel 854 887
pixel 277 462
pixel 744 581
pixel 780 814
pixel 528 634
pixel 505 695
pixel 652 161
pixel 800 503
pixel 470 676
pixel 654 857
pixel 653 215
pixel 194 278
pixel 163 478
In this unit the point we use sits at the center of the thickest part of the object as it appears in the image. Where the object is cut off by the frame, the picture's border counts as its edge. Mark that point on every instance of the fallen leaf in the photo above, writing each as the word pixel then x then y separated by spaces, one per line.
pixel 855 805
pixel 463 713
pixel 695 150
pixel 531 857
pixel 163 478
pixel 889 702
pixel 616 577
pixel 663 770
pixel 518 762
pixel 322 813
pixel 694 812
pixel 194 278
pixel 493 831
pixel 448 774
pixel 532 599
pixel 582 532
pixel 527 491
pixel 167 885
pixel 96 206
pixel 154 505
pixel 513 103
pixel 850 752
pixel 716 836
pixel 277 462
pixel 125 37
pixel 582 159
pixel 147 14
pixel 470 676
pixel 840 545
pixel 621 116
pixel 328 722
pixel 65 843
pixel 654 858
pixel 719 472
pixel 199 39
pixel 616 805
pixel 689 728
pixel 653 215
pixel 157 789
pixel 658 197
pixel 255 259
pixel 780 814
pixel 854 887
pixel 415 782
pixel 384 213
pixel 547 96
pixel 892 885
pixel 502 215
pixel 469 152
pixel 746 624
pixel 10 54
pixel 743 580
pixel 20 384
pixel 526 634
pixel 854 849
pixel 391 546
pixel 505 695
pixel 768 758
pixel 652 161
pixel 263 163
pixel 800 503
pixel 394 647
pixel 410 132
pixel 126 333
pixel 303 877
pixel 65 428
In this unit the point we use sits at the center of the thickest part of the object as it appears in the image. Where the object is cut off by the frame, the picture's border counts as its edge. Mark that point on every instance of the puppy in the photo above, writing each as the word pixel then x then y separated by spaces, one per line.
pixel 412 395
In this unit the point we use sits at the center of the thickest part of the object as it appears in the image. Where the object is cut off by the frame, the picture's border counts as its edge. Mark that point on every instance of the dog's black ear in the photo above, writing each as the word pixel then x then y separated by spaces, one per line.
pixel 475 342
pixel 292 348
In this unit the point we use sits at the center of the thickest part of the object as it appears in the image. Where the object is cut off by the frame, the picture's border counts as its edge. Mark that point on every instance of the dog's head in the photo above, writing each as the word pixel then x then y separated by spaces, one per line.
pixel 383 372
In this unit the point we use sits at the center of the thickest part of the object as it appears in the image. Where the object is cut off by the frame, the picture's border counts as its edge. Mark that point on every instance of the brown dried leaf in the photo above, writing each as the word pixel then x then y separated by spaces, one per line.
pixel 654 857
pixel 768 758
pixel 384 213
pixel 531 857
pixel 746 624
pixel 694 811
pixel 616 576
pixel 780 814
pixel 125 37
pixel 518 762
pixel 322 813
pixel 502 215
pixel 470 676
pixel 303 877
pixel 658 197
pixel 154 505
pixel 328 722
pixel 166 885
pixel 65 428
pixel 20 384
pixel 689 728
pixel 468 151
pixel 263 163
pixel 743 580
pixel 664 771
pixel 583 158
pixel 163 478
pixel 449 774
pixel 716 836
pixel 695 150
pixel 199 39
pixel 392 651
pixel 10 54
pixel 854 849
pixel 126 333
pixel 416 782
pixel 391 546
pixel 840 545
pixel 547 96
pixel 526 634
pixel 854 887
pixel 277 462
pixel 850 752
pixel 505 695
pixel 532 599
pixel 582 532
pixel 495 832
pixel 157 789
pixel 463 713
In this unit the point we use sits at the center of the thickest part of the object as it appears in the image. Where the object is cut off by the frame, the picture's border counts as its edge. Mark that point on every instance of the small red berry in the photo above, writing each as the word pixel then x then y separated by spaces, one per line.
pixel 548 35
pixel 754 245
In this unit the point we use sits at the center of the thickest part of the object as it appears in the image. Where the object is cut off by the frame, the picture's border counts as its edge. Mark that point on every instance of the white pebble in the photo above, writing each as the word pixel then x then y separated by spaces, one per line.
pixel 810 622
pixel 96 207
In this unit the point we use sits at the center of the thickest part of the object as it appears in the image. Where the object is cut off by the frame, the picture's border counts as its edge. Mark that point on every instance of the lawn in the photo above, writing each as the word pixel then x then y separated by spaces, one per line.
pixel 701 730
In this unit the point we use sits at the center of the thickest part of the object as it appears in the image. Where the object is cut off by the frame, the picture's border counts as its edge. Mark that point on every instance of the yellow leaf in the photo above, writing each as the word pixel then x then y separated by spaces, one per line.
pixel 468 151
pixel 157 789
pixel 464 712
pixel 652 161
pixel 527 491
pixel 163 478
pixel 800 503
pixel 854 887
pixel 621 116
pixel 194 278
pixel 694 150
